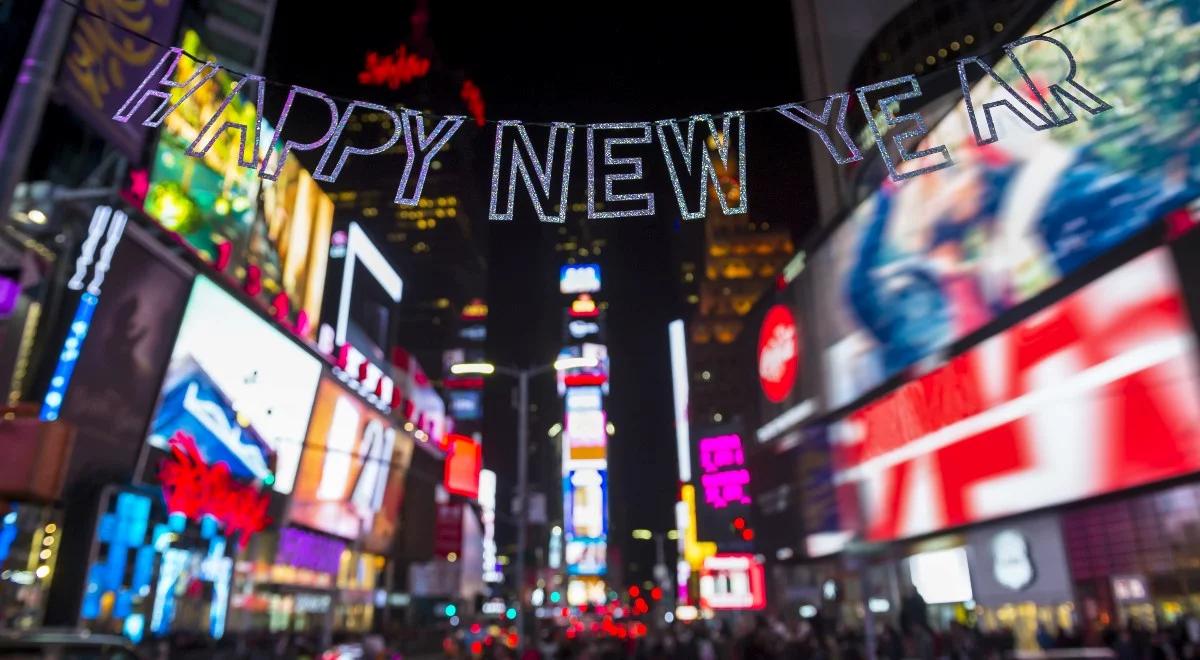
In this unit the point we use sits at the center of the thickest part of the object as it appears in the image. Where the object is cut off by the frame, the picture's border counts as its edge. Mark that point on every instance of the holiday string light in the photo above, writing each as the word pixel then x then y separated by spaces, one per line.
pixel 425 147
pixel 289 145
pixel 825 123
pixel 704 169
pixel 524 157
pixel 610 161
pixel 692 170
pixel 348 150
pixel 894 121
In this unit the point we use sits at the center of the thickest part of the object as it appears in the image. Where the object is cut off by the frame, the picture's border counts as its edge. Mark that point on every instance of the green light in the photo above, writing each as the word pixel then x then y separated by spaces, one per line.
pixel 555 596
pixel 451 609
pixel 511 613
pixel 269 480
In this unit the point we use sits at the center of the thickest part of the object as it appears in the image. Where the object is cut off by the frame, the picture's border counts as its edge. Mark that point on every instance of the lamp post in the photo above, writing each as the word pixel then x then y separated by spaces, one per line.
pixel 522 377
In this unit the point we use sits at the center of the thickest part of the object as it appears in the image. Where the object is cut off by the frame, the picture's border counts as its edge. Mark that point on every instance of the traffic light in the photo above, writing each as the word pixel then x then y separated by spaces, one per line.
pixel 739 523
pixel 451 609
pixel 634 592
pixel 656 594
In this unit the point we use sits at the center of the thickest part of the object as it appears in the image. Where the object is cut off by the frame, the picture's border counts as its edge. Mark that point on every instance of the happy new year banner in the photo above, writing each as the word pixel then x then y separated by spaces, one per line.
pixel 696 151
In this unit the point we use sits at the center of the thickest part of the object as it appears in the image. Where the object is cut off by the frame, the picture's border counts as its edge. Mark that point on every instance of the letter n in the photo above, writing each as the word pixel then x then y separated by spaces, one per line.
pixel 512 142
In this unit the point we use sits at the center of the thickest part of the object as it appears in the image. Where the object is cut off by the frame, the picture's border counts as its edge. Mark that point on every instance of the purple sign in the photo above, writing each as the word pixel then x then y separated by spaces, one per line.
pixel 103 64
pixel 310 551
pixel 10 291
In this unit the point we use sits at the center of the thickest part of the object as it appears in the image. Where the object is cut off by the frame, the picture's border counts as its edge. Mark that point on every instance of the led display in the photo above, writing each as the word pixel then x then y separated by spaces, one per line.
pixel 1094 393
pixel 241 388
pixel 351 479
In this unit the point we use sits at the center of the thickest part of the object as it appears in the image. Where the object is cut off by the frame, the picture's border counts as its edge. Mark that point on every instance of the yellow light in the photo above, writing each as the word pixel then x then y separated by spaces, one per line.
pixel 673 535
pixel 45 554
pixel 643 534
pixel 51 528
pixel 583 305
pixel 42 572
pixel 48 541
pixel 476 309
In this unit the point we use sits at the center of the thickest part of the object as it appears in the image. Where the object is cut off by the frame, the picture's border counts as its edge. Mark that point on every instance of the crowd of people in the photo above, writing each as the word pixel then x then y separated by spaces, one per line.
pixel 765 638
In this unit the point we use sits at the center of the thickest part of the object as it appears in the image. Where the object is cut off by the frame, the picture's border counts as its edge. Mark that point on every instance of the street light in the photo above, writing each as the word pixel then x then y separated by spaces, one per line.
pixel 473 368
pixel 522 376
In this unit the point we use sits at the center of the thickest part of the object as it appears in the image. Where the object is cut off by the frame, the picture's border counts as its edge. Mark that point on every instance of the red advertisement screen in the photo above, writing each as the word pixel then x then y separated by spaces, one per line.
pixel 1097 392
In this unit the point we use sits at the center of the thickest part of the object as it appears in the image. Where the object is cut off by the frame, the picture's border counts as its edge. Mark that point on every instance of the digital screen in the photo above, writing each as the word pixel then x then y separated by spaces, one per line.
pixel 118 376
pixel 243 389
pixel 923 263
pixel 941 576
pixel 579 278
pixel 463 463
pixel 292 245
pixel 466 405
pixel 351 480
pixel 211 200
pixel 586 557
pixel 303 549
pixel 586 504
pixel 1094 393
pixel 583 399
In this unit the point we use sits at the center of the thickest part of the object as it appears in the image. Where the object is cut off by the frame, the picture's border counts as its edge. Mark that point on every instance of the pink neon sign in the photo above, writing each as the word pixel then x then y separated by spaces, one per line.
pixel 724 479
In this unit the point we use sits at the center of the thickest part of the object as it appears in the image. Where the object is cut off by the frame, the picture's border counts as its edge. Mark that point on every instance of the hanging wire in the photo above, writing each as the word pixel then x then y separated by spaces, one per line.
pixel 436 116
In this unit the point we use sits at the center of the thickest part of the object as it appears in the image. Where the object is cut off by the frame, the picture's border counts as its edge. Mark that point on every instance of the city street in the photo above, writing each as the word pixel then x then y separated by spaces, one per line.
pixel 829 329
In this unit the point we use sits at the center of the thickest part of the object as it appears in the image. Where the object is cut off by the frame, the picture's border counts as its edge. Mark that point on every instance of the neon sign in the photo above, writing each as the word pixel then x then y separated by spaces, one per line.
pixel 584 306
pixel 196 489
pixel 393 71
pixel 109 225
pixel 473 97
pixel 725 478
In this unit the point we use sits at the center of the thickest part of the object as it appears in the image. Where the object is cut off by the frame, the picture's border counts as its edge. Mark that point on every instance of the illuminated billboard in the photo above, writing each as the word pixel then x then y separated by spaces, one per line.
pixel 351 479
pixel 585 437
pixel 464 461
pixel 239 386
pixel 732 582
pixel 579 278
pixel 1094 393
pixel 209 201
pixel 586 504
pixel 924 263
pixel 586 557
pixel 292 245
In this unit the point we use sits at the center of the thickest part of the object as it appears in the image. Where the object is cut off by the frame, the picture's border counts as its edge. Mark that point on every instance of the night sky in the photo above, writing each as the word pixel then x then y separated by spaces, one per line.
pixel 627 61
